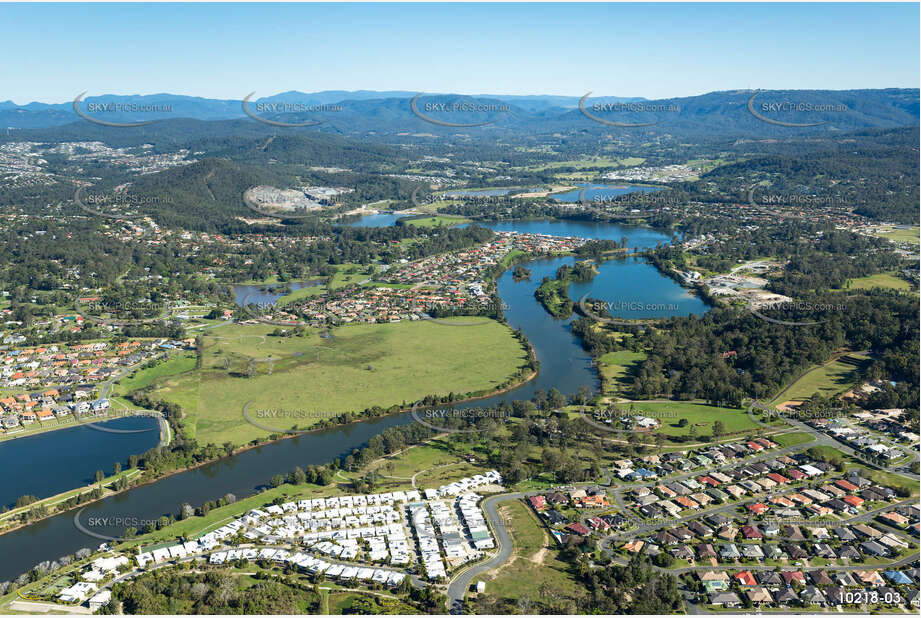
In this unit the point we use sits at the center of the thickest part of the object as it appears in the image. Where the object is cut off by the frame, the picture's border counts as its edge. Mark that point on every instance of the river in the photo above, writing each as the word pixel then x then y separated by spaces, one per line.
pixel 564 365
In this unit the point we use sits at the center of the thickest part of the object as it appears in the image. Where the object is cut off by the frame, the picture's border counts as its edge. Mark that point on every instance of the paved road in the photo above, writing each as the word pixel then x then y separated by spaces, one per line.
pixel 458 587
pixel 34 607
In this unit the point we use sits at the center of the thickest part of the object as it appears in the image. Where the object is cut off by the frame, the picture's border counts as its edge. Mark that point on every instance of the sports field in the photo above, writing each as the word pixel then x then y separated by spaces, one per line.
pixel 312 378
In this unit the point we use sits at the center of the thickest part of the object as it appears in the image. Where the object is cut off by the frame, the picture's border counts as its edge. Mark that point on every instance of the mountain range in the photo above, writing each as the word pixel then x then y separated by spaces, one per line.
pixel 391 112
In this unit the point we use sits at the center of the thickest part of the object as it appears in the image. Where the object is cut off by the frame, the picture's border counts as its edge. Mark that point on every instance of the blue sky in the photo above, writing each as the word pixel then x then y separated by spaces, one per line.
pixel 52 52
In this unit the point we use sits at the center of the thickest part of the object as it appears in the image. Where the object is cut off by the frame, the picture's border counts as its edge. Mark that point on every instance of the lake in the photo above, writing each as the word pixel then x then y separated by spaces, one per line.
pixel 49 463
pixel 262 294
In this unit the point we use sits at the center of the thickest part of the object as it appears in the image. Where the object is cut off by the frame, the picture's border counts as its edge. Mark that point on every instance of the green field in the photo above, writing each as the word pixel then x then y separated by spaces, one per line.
pixel 430 455
pixel 700 415
pixel 826 380
pixel 881 280
pixel 311 378
pixel 616 367
pixel 533 567
pixel 793 438
pixel 180 363
pixel 588 162
pixel 899 235
pixel 436 221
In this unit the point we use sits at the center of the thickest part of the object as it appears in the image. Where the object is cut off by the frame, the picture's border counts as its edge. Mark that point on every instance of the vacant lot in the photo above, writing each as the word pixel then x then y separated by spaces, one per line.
pixel 360 367
pixel 404 464
pixel 176 364
pixel 700 415
pixel 533 570
pixel 830 379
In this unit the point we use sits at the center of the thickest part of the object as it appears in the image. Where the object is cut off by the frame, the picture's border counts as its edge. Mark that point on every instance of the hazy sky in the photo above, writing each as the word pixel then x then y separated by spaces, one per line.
pixel 52 52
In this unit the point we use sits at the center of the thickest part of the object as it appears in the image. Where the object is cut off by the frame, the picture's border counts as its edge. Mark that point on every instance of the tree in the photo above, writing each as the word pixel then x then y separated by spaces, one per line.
pixel 99 476
pixel 117 468
pixel 719 429
pixel 297 476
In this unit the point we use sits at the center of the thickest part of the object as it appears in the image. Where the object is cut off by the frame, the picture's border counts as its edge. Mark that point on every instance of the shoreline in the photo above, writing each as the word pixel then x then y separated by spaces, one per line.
pixel 242 449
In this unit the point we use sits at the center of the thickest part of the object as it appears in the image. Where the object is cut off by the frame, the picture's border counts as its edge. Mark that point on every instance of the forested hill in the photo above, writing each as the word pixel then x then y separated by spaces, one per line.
pixel 876 172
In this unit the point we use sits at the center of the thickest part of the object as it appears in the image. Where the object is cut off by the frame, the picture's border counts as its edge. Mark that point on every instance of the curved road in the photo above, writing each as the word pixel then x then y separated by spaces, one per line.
pixel 459 586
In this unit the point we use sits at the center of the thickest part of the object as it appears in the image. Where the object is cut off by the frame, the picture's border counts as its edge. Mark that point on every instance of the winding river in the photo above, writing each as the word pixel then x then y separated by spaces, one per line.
pixel 564 365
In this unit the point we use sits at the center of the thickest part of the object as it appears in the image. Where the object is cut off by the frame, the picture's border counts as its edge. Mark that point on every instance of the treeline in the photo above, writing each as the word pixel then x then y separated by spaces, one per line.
pixel 876 173
pixel 729 354
pixel 177 591
pixel 632 589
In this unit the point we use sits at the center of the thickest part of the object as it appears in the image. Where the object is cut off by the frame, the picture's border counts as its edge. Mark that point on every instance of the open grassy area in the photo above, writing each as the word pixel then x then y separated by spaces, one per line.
pixel 433 454
pixel 302 293
pixel 900 235
pixel 512 255
pixel 887 479
pixel 880 280
pixel 701 415
pixel 348 274
pixel 533 565
pixel 829 379
pixel 792 439
pixel 588 162
pixel 362 366
pixel 438 220
pixel 174 365
pixel 617 367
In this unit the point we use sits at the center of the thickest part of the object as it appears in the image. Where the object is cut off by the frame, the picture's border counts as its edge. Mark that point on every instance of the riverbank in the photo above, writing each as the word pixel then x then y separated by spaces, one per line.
pixel 562 364
pixel 52 501
pixel 142 479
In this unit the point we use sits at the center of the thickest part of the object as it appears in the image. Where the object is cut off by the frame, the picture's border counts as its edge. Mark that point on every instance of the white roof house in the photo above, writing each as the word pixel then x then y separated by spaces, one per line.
pixel 77 592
